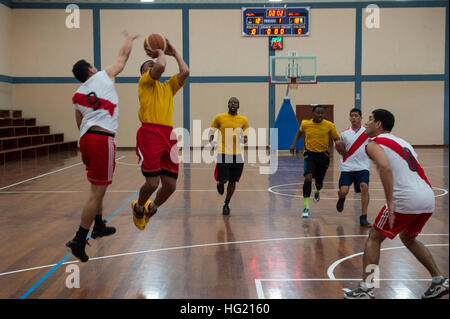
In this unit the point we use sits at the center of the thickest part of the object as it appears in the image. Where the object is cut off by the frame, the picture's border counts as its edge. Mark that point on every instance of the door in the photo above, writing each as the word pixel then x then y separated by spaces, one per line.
pixel 304 112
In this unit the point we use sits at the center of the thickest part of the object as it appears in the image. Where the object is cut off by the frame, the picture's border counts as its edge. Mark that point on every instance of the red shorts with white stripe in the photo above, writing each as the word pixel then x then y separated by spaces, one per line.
pixel 98 152
pixel 156 150
pixel 412 224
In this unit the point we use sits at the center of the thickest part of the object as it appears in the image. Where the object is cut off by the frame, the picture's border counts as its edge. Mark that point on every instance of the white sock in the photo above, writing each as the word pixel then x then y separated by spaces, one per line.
pixel 437 279
pixel 364 286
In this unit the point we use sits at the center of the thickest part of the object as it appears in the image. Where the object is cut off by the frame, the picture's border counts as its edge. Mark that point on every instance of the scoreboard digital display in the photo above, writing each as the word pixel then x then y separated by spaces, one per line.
pixel 275 22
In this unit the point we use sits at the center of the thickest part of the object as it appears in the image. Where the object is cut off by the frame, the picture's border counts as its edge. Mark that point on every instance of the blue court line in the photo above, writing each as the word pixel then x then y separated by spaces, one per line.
pixel 68 255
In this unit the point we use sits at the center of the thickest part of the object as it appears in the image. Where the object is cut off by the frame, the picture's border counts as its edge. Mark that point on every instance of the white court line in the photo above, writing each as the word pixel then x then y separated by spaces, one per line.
pixel 445 192
pixel 261 295
pixel 46 174
pixel 270 189
pixel 260 290
pixel 201 245
pixel 124 191
pixel 330 271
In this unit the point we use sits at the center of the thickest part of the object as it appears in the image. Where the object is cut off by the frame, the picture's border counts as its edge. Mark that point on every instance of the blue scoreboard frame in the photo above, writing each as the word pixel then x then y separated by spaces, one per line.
pixel 257 22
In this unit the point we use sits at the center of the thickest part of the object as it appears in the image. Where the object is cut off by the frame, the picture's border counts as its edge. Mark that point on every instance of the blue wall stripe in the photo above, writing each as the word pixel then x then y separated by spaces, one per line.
pixel 44 80
pixel 97 39
pixel 135 79
pixel 187 85
pixel 358 58
pixel 6 78
pixel 228 79
pixel 237 79
pixel 446 113
pixel 218 6
pixel 403 77
pixel 7 3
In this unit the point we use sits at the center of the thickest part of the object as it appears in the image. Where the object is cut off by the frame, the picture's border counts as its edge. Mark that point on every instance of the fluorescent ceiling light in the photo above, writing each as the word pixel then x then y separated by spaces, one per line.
pixel 275 0
pixel 147 0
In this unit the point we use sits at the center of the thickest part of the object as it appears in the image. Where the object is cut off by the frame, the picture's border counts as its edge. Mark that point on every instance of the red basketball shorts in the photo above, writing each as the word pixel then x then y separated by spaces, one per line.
pixel 98 152
pixel 156 150
pixel 412 224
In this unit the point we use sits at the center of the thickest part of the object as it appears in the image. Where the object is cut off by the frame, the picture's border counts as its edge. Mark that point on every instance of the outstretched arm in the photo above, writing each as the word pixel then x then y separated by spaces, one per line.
pixel 114 69
pixel 159 67
pixel 376 154
pixel 182 66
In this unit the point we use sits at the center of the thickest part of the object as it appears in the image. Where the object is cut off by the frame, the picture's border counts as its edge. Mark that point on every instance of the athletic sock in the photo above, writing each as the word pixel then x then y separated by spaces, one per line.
pixel 98 220
pixel 227 202
pixel 438 279
pixel 306 202
pixel 363 286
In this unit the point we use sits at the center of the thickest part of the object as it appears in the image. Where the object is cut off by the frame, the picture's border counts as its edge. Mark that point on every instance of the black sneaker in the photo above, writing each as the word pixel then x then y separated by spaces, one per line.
pixel 436 290
pixel 363 221
pixel 226 210
pixel 340 204
pixel 316 197
pixel 77 247
pixel 220 188
pixel 359 293
pixel 102 230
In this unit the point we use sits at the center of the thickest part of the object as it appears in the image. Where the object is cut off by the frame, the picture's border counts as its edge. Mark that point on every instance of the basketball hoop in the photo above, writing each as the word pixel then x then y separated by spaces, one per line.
pixel 294 84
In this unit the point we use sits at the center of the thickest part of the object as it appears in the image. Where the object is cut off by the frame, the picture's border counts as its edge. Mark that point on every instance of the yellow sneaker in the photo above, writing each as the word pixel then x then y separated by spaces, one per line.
pixel 147 212
pixel 139 222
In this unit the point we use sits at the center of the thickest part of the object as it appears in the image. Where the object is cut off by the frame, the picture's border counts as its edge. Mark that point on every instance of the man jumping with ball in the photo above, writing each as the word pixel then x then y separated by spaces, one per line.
pixel 155 140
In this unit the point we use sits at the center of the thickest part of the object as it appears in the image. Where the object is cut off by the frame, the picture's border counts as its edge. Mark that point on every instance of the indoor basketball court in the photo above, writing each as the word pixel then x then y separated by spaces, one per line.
pixel 279 59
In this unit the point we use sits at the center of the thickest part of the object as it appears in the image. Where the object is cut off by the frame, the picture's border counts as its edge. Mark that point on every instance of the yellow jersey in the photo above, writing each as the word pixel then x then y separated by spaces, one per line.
pixel 317 135
pixel 231 127
pixel 156 99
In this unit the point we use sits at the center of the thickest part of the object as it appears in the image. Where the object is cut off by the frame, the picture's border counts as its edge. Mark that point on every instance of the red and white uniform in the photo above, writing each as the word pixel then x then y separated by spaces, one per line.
pixel 98 149
pixel 355 145
pixel 413 196
pixel 107 115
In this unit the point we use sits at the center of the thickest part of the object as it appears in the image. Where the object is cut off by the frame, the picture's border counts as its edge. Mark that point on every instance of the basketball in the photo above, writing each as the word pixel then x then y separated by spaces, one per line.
pixel 155 41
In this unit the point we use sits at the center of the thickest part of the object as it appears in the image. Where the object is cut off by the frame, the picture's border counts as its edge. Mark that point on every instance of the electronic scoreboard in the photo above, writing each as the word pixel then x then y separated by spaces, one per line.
pixel 275 22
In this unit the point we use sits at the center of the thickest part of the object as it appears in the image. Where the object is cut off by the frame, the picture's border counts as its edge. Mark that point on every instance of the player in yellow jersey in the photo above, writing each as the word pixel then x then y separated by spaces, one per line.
pixel 317 133
pixel 155 140
pixel 230 163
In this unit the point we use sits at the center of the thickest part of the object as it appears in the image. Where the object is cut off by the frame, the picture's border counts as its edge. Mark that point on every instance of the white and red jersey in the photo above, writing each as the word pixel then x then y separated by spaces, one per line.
pixel 355 145
pixel 97 101
pixel 412 190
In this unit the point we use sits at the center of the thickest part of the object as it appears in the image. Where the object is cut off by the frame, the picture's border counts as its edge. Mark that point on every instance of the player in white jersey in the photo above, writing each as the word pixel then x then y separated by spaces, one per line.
pixel 409 204
pixel 355 165
pixel 96 115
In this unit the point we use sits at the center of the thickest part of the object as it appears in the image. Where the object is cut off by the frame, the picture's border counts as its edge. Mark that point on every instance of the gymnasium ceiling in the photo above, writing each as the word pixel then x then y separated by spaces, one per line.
pixel 204 1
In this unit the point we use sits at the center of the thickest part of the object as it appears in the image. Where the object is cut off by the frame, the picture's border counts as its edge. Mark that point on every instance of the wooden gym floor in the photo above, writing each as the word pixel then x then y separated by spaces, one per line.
pixel 264 249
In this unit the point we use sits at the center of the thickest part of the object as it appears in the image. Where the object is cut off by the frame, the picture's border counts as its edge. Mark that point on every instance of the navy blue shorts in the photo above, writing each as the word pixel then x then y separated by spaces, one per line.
pixel 355 178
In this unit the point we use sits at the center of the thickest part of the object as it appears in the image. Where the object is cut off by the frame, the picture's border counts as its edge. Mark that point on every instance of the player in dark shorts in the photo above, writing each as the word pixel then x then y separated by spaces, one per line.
pixel 317 133
pixel 230 163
